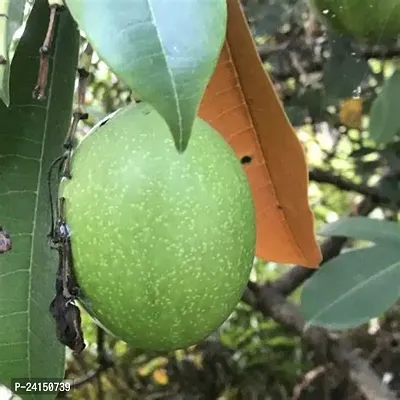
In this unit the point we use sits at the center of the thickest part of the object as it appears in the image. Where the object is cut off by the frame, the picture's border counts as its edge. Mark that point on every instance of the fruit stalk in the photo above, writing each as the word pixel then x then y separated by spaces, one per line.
pixel 63 309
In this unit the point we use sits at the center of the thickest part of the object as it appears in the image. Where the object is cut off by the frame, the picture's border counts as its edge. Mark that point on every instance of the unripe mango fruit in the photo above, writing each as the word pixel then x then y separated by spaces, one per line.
pixel 374 20
pixel 163 242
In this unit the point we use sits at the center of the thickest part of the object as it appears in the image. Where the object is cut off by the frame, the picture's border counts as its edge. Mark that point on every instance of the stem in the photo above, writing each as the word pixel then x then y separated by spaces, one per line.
pixel 39 93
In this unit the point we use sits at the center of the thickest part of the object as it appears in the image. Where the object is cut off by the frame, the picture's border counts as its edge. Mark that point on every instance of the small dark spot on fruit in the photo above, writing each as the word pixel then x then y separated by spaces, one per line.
pixel 104 122
pixel 246 159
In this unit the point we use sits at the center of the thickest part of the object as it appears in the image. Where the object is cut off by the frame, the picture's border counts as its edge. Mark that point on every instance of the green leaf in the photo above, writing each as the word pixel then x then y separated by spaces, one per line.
pixel 31 136
pixel 165 51
pixel 352 288
pixel 385 117
pixel 345 69
pixel 364 228
pixel 11 17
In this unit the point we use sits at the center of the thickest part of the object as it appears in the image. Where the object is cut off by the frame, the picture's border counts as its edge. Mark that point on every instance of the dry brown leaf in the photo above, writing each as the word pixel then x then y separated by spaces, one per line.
pixel 241 103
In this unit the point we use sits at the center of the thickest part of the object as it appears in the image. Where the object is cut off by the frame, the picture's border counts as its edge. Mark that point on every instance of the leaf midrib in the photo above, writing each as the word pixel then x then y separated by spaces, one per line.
pixel 35 216
pixel 353 289
pixel 173 84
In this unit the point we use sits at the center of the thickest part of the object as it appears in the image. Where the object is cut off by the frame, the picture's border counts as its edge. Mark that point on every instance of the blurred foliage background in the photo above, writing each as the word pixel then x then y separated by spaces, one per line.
pixel 327 84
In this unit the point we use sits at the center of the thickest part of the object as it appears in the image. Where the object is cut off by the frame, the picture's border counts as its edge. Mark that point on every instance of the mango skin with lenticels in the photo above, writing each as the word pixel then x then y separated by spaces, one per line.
pixel 372 20
pixel 163 242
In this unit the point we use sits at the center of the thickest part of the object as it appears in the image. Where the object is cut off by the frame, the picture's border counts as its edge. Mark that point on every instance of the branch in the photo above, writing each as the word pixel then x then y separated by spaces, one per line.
pixel 273 304
pixel 316 66
pixel 321 176
pixel 78 382
pixel 267 50
pixel 309 377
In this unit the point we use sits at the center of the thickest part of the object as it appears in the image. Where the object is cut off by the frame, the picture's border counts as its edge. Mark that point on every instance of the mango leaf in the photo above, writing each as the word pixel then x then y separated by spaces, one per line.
pixel 31 136
pixel 352 288
pixel 364 228
pixel 11 17
pixel 385 117
pixel 165 51
pixel 345 69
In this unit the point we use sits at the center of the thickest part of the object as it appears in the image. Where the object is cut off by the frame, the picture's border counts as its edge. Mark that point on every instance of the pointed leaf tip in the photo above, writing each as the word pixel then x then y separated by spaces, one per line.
pixel 166 52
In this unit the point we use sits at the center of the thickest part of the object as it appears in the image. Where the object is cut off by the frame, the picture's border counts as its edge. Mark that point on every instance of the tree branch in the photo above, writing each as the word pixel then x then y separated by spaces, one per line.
pixel 321 176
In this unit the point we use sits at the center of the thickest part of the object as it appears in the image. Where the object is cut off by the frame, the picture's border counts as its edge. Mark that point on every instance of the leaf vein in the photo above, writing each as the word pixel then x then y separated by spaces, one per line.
pixel 355 288
pixel 173 83
pixel 12 314
pixel 13 272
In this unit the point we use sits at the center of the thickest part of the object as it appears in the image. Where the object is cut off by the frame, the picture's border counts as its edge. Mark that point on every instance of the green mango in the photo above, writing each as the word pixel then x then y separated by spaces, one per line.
pixel 163 242
pixel 373 20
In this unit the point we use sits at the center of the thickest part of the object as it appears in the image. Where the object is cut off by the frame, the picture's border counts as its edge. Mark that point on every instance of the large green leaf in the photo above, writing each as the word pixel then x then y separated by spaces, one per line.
pixel 364 228
pixel 385 116
pixel 31 136
pixel 11 16
pixel 164 50
pixel 352 288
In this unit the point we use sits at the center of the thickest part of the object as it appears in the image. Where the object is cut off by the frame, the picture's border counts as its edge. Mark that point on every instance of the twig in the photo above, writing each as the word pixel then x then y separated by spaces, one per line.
pixel 79 113
pixel 39 93
pixel 321 176
pixel 308 378
pixel 76 383
pixel 266 51
pixel 105 361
